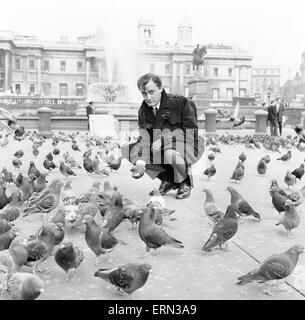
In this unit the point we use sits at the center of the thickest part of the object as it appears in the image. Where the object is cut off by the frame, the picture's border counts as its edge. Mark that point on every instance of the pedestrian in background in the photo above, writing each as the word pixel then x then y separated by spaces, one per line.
pixel 89 110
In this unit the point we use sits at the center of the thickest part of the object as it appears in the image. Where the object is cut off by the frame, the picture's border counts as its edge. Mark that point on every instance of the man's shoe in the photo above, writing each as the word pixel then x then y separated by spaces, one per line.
pixel 184 191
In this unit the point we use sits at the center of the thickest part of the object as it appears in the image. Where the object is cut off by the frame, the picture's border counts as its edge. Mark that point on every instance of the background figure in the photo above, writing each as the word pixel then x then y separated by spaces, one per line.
pixel 89 110
pixel 280 112
pixel 272 117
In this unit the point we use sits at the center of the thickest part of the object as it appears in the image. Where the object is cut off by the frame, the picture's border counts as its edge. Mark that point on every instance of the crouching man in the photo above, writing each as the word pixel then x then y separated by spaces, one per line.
pixel 169 143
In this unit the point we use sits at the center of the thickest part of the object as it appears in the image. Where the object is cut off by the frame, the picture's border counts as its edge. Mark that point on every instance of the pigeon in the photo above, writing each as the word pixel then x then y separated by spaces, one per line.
pixel 88 165
pixel 7 237
pixel 211 157
pixel 286 157
pixel 280 191
pixel 278 200
pixel 210 208
pixel 114 215
pixel 15 256
pixel 65 170
pixel 3 198
pixel 8 176
pixel 49 156
pixel 152 235
pixel 299 172
pixel 215 149
pixel 138 169
pixel 242 157
pixel 70 161
pixel 40 183
pixel 261 167
pixel 289 179
pixel 275 267
pixel 87 195
pixel 19 154
pixel 56 151
pixel 239 121
pixel 69 257
pixel 290 219
pixel 68 195
pixel 24 286
pixel 59 217
pixel 126 278
pixel 49 164
pixel 40 247
pixel 46 203
pixel 238 172
pixel 157 199
pixel 210 172
pixel 266 159
pixel 224 229
pixel 75 146
pixel 114 160
pixel 17 163
pixel 33 170
pixel 93 237
pixel 35 152
pixel 242 205
pixel 4 225
pixel 12 210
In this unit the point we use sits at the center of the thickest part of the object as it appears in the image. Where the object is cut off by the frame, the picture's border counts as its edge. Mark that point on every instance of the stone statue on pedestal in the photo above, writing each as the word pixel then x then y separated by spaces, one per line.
pixel 198 59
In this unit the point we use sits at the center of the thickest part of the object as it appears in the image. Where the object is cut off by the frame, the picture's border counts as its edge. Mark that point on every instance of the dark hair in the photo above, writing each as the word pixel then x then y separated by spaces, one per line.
pixel 143 80
pixel 263 104
pixel 298 129
pixel 91 102
pixel 10 122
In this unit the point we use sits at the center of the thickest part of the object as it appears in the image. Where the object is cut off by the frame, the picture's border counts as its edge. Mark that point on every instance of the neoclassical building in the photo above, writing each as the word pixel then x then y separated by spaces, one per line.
pixel 64 68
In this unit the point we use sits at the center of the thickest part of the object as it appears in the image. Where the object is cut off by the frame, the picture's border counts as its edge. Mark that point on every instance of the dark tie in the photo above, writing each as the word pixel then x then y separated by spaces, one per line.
pixel 155 111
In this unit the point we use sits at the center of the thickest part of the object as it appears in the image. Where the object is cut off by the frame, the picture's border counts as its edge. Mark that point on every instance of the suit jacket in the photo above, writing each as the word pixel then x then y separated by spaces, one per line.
pixel 272 116
pixel 175 124
pixel 89 110
pixel 280 113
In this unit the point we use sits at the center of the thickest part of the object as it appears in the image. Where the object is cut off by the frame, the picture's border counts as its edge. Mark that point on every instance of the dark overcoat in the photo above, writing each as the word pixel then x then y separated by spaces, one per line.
pixel 176 125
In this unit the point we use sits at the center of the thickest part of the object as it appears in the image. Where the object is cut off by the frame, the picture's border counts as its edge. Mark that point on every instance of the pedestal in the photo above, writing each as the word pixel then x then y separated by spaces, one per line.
pixel 44 122
pixel 103 125
pixel 198 89
pixel 210 122
pixel 260 122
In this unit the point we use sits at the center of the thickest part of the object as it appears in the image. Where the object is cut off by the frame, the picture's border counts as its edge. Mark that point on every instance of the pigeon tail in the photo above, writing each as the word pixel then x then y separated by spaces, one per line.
pixel 175 243
pixel 249 277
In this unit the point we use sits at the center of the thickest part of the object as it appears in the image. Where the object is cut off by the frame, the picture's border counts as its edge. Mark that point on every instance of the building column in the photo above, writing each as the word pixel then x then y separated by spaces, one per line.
pixel 174 76
pixel 6 71
pixel 249 84
pixel 87 74
pixel 100 71
pixel 236 93
pixel 181 78
pixel 39 74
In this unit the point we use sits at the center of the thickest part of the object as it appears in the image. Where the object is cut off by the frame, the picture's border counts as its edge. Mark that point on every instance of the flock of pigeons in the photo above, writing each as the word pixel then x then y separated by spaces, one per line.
pixel 23 195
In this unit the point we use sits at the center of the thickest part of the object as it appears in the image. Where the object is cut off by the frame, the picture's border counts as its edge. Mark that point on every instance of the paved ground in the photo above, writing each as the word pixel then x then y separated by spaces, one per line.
pixel 187 273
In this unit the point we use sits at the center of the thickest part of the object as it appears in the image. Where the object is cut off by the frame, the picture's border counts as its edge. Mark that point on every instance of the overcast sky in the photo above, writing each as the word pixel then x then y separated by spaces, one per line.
pixel 273 30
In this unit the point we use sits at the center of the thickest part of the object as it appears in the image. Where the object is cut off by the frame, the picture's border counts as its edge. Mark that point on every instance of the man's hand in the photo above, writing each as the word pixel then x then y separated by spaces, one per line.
pixel 138 169
pixel 156 146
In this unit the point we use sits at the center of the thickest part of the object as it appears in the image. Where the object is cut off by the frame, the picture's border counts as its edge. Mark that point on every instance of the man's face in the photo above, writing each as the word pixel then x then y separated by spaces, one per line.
pixel 151 93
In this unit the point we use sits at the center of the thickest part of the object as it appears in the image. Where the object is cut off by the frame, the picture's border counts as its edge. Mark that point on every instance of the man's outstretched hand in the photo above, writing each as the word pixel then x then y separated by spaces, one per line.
pixel 138 169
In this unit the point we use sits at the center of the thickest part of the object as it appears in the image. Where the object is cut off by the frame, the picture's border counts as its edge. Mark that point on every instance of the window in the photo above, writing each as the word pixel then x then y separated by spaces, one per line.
pixel 63 89
pixel 242 93
pixel 93 65
pixel 46 88
pixel 215 72
pixel 46 65
pixel 167 68
pixel 32 89
pixel 2 74
pixel 79 89
pixel 79 66
pixel 17 64
pixel 215 93
pixel 230 72
pixel 188 69
pixel 152 67
pixel 18 88
pixel 63 66
pixel 229 93
pixel 32 64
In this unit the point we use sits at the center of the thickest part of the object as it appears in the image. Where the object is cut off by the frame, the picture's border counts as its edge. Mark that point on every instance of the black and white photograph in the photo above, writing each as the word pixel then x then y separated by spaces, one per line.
pixel 152 150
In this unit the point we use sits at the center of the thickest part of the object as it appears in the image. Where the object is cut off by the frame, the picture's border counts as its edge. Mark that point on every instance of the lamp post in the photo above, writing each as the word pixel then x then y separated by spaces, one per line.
pixel 289 88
